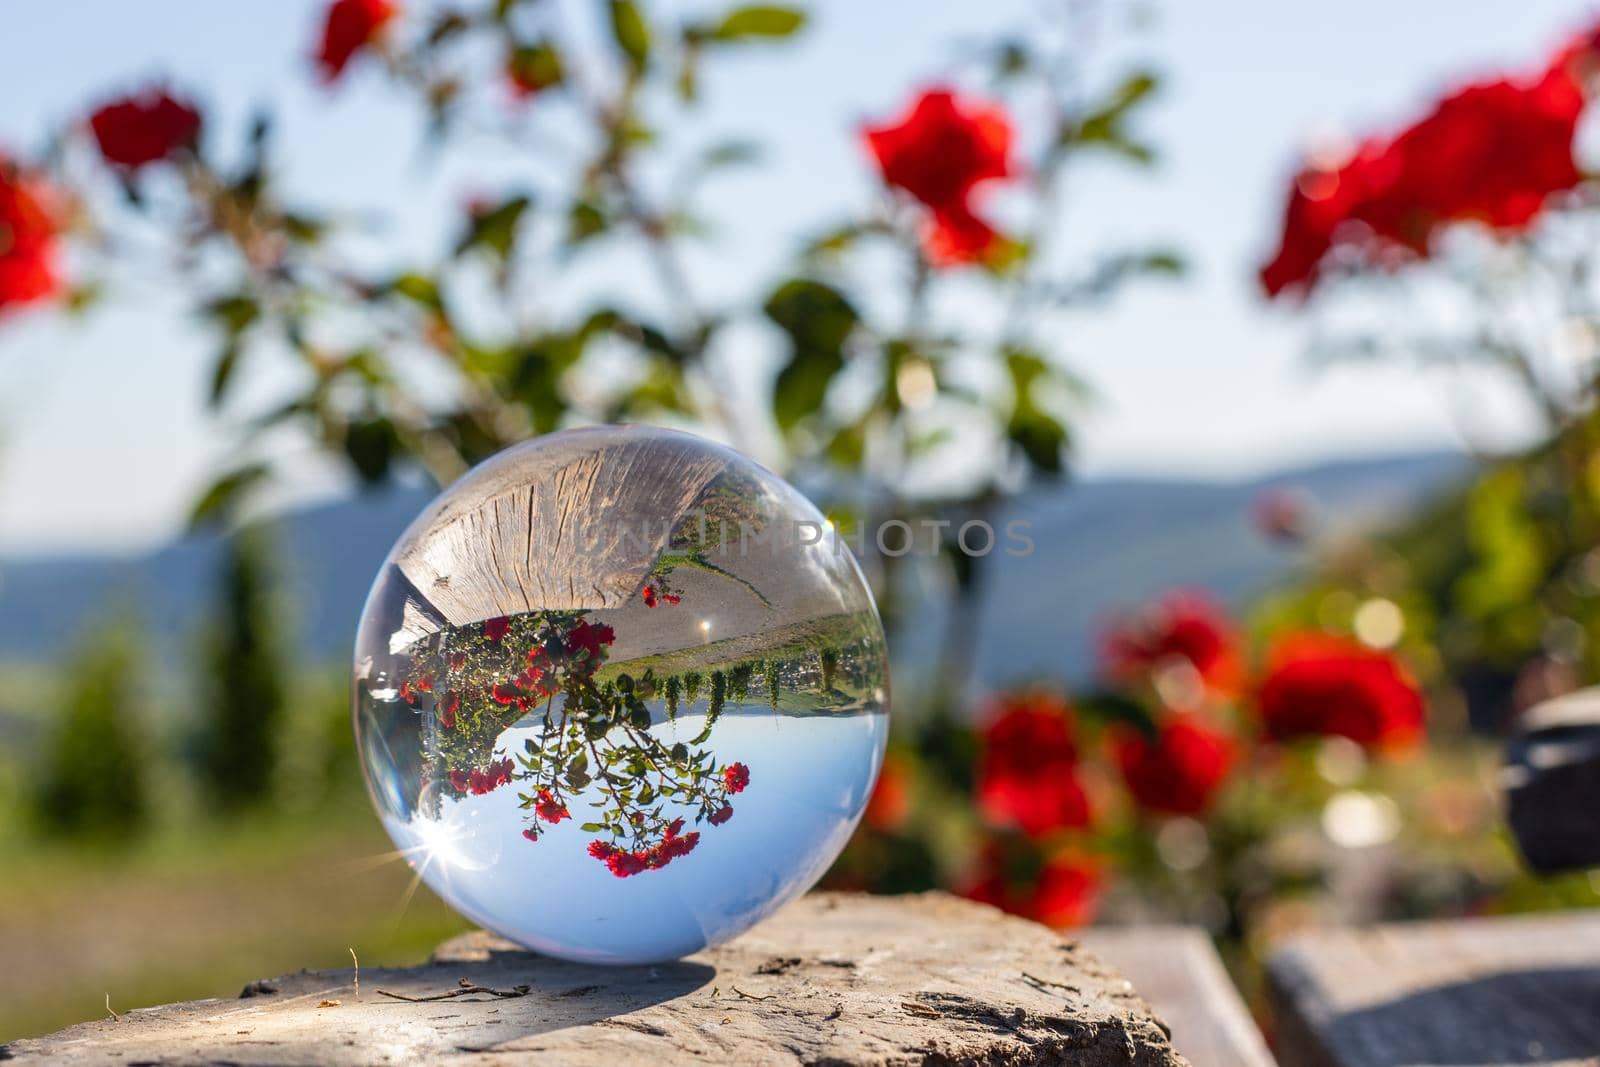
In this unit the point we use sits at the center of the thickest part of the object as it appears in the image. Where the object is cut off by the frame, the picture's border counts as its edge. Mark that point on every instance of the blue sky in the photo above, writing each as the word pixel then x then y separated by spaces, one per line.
pixel 103 440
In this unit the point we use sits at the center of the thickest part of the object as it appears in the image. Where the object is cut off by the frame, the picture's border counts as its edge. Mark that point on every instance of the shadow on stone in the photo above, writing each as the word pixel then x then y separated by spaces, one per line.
pixel 1513 1017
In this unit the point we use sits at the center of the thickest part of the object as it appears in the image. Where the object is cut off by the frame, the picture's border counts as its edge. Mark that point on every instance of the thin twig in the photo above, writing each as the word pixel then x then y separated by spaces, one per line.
pixel 464 989
pixel 752 996
pixel 1046 983
pixel 112 1010
pixel 358 972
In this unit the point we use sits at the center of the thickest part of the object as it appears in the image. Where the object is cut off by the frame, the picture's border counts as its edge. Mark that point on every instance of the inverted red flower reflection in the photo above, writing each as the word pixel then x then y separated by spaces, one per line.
pixel 590 639
pixel 1179 771
pixel 1063 891
pixel 1494 152
pixel 549 808
pixel 350 26
pixel 1028 769
pixel 736 776
pixel 1320 685
pixel 1185 625
pixel 624 863
pixel 29 245
pixel 148 127
pixel 939 151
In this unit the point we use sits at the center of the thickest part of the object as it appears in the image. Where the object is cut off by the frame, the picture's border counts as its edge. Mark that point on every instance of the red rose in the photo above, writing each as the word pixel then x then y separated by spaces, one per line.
pixel 590 639
pixel 531 834
pixel 458 781
pixel 939 152
pixel 1028 770
pixel 1493 152
pixel 548 808
pixel 152 126
pixel 29 224
pixel 351 25
pixel 721 815
pixel 496 629
pixel 958 236
pixel 1179 771
pixel 736 776
pixel 1318 685
pixel 1184 625
pixel 1064 891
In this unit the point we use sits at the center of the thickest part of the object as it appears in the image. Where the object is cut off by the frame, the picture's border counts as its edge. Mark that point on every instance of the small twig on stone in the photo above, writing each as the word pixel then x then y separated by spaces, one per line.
pixel 1046 984
pixel 112 1010
pixel 751 996
pixel 358 972
pixel 465 988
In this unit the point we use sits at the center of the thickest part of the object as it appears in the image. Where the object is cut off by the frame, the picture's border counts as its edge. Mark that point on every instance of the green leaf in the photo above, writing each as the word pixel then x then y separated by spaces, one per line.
pixel 585 222
pixel 1103 127
pixel 224 494
pixel 371 445
pixel 418 288
pixel 495 229
pixel 730 153
pixel 758 20
pixel 848 447
pixel 234 314
pixel 629 30
pixel 222 372
pixel 1108 707
pixel 818 320
pixel 537 67
pixel 592 827
pixel 1038 434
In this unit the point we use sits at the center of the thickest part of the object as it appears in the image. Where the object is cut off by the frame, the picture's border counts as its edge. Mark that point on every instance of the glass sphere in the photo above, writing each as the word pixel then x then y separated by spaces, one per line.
pixel 619 694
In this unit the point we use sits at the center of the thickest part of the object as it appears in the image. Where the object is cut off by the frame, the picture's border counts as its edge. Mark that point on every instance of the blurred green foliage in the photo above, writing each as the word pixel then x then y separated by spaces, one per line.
pixel 92 780
pixel 246 671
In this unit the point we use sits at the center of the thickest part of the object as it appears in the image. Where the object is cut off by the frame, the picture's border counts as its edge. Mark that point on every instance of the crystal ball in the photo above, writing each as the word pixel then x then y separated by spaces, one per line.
pixel 620 693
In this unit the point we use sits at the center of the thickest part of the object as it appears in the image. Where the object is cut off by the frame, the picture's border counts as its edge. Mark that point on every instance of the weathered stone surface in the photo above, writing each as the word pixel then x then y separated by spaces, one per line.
pixel 832 979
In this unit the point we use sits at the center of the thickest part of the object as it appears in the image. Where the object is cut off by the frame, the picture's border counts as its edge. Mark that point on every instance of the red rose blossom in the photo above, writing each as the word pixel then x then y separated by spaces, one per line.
pixel 590 639
pixel 1062 892
pixel 1179 771
pixel 1028 770
pixel 1184 625
pixel 1320 685
pixel 1494 151
pixel 135 131
pixel 736 776
pixel 939 151
pixel 548 808
pixel 721 815
pixel 351 25
pixel 29 225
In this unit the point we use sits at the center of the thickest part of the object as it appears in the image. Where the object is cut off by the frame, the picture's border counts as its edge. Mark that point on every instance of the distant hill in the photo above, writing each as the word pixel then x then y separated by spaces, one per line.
pixel 1100 544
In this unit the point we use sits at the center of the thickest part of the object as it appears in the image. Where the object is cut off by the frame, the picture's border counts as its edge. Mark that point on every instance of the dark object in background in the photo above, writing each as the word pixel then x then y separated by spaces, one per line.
pixel 1552 783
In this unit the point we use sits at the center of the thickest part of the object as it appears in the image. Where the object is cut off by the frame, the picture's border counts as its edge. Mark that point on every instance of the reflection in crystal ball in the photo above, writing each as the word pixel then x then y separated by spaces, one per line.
pixel 619 694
